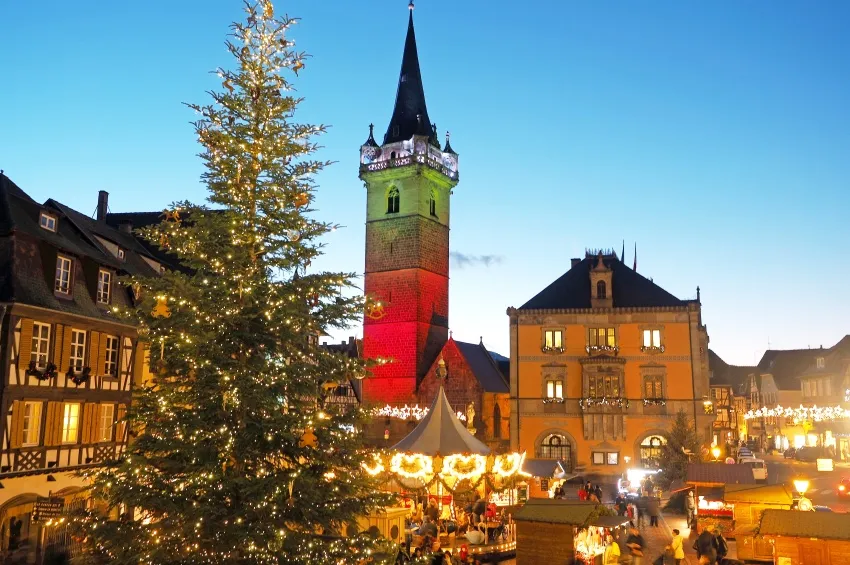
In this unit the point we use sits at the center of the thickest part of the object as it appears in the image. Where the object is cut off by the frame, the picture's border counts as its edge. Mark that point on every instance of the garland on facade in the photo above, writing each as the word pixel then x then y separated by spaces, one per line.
pixel 618 402
pixel 654 402
pixel 816 413
pixel 49 371
pixel 81 377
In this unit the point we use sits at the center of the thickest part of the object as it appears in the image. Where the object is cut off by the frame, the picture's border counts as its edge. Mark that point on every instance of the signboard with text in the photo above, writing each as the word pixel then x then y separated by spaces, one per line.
pixel 47 508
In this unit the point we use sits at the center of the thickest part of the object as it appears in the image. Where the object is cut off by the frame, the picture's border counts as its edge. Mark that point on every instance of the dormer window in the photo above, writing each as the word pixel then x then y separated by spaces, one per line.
pixel 820 362
pixel 392 201
pixel 63 275
pixel 601 290
pixel 120 253
pixel 104 286
pixel 47 221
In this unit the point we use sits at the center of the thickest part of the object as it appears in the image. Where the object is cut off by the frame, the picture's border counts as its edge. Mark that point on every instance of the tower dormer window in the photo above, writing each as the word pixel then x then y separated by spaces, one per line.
pixel 601 290
pixel 63 275
pixel 432 204
pixel 820 363
pixel 47 221
pixel 392 201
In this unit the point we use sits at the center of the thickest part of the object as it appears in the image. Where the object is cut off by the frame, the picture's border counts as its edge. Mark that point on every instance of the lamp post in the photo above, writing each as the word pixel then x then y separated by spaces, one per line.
pixel 715 451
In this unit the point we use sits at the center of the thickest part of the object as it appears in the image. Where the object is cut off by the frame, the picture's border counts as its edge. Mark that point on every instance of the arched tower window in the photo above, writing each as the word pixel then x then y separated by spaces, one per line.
pixel 432 204
pixel 497 422
pixel 650 452
pixel 600 290
pixel 392 201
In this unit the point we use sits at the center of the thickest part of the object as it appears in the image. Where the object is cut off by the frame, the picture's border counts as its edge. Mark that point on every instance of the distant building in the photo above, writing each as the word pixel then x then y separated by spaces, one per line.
pixel 726 382
pixel 68 364
pixel 602 359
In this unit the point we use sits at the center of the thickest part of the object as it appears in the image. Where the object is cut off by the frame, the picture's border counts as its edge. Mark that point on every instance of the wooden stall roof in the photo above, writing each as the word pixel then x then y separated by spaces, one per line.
pixel 555 511
pixel 719 474
pixel 799 524
pixel 758 494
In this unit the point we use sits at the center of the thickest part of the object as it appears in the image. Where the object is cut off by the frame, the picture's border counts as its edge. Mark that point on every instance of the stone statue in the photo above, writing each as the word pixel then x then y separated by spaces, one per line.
pixel 470 417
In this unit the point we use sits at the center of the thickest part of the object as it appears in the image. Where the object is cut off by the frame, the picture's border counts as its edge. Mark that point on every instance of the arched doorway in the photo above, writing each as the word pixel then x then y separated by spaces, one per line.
pixel 650 451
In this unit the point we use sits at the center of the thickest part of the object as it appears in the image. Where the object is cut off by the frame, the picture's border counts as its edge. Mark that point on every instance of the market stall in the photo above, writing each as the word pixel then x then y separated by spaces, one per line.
pixel 442 466
pixel 575 531
pixel 708 481
pixel 807 538
pixel 634 483
pixel 749 503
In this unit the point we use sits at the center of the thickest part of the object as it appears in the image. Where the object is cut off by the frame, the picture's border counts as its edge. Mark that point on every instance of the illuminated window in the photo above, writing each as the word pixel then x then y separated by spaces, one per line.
pixel 32 424
pixel 652 387
pixel 78 349
pixel 553 339
pixel 613 458
pixel 555 389
pixel 600 386
pixel 555 446
pixel 110 367
pixel 650 452
pixel 47 221
pixel 605 458
pixel 40 344
pixel 600 290
pixel 652 338
pixel 104 286
pixel 105 422
pixel 63 275
pixel 601 337
pixel 392 201
pixel 71 422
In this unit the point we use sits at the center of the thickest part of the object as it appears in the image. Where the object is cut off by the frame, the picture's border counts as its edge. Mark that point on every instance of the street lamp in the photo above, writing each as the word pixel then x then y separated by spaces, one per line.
pixel 802 485
pixel 716 452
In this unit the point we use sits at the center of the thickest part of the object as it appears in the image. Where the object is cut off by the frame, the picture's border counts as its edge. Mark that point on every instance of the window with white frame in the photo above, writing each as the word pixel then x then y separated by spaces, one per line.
pixel 111 365
pixel 120 253
pixel 47 221
pixel 652 339
pixel 32 424
pixel 63 275
pixel 601 337
pixel 105 423
pixel 40 344
pixel 71 422
pixel 554 388
pixel 78 350
pixel 553 340
pixel 104 286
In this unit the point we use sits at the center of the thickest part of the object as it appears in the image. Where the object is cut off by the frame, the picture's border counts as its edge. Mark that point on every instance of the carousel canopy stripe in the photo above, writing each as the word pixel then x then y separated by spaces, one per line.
pixel 440 432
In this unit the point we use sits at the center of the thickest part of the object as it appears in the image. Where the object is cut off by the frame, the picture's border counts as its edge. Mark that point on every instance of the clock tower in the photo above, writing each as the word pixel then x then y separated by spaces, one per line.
pixel 409 179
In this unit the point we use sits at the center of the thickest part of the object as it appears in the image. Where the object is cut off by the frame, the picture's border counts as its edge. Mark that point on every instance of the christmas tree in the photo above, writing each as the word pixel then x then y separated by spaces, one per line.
pixel 237 459
pixel 682 445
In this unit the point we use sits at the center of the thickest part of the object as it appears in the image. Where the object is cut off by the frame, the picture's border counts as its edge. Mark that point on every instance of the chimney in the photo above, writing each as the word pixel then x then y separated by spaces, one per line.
pixel 125 227
pixel 102 205
pixel 574 262
pixel 350 340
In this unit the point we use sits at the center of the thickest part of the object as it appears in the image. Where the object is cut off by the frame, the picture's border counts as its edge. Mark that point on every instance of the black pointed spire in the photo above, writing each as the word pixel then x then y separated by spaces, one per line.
pixel 410 115
pixel 371 141
pixel 448 148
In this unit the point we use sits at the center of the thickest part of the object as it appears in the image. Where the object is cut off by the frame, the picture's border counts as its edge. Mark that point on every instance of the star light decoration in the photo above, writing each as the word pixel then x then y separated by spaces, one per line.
pixel 816 413
pixel 406 412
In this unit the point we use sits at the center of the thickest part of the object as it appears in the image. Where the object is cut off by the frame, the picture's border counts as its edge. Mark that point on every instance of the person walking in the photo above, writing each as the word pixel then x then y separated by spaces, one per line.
pixel 636 544
pixel 706 546
pixel 691 509
pixel 652 510
pixel 598 492
pixel 677 547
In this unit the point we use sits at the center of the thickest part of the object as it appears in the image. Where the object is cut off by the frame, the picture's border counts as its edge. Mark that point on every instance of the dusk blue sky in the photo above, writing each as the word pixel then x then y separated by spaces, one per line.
pixel 714 134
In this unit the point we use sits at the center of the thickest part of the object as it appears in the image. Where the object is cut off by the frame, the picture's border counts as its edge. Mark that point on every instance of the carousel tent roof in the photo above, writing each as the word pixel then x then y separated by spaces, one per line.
pixel 440 432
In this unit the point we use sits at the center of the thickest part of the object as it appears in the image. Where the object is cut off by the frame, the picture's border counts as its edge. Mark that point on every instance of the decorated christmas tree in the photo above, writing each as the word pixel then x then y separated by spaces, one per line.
pixel 237 458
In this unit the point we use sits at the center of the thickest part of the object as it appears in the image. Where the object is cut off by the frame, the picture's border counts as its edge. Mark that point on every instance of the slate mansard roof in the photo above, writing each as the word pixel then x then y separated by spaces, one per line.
pixel 630 290
pixel 28 255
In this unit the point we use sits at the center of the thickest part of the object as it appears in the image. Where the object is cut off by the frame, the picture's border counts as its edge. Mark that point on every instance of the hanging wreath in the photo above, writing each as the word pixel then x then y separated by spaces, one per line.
pixel 81 377
pixel 48 373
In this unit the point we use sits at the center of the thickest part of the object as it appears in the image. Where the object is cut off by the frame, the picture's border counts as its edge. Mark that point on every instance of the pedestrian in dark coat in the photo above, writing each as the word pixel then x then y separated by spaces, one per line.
pixel 652 510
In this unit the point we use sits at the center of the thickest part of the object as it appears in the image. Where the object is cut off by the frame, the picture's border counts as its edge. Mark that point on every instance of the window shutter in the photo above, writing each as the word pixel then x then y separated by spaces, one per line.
pixel 94 338
pixel 89 421
pixel 101 355
pixel 55 353
pixel 139 364
pixel 17 432
pixel 53 429
pixel 65 357
pixel 121 426
pixel 25 351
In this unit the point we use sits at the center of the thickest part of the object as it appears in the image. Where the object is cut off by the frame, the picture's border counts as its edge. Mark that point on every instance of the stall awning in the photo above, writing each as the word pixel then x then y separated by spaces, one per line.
pixel 545 468
pixel 710 493
pixel 554 511
pixel 710 474
pixel 609 521
pixel 798 524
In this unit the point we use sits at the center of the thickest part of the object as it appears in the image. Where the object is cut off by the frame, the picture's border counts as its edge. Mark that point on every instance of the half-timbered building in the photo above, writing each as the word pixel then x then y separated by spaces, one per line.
pixel 69 363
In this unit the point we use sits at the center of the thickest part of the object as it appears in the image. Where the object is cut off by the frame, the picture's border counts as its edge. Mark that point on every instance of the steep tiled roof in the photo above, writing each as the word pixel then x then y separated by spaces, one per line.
pixel 138 220
pixel 786 366
pixel 556 511
pixel 483 367
pixel 794 523
pixel 727 375
pixel 836 359
pixel 572 289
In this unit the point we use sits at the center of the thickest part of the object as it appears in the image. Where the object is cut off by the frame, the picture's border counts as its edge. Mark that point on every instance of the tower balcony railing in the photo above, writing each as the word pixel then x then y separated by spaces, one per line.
pixel 426 160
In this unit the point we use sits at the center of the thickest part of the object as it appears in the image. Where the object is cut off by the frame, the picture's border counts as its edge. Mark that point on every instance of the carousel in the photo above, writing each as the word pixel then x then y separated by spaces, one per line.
pixel 452 486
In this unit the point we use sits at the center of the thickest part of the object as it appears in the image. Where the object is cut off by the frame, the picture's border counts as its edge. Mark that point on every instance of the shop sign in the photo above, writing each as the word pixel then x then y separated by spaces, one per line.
pixel 47 508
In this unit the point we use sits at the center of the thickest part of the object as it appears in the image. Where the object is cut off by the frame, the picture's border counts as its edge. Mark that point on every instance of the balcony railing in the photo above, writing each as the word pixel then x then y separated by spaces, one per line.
pixel 426 160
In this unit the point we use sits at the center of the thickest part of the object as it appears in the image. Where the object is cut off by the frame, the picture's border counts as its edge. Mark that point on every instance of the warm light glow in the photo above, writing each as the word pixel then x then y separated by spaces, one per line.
pixel 377 466
pixel 407 412
pixel 414 466
pixel 816 413
pixel 509 464
pixel 802 485
pixel 715 451
pixel 463 467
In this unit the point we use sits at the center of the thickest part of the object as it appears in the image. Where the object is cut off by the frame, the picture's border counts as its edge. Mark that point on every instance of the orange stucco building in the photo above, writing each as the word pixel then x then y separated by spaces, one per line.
pixel 601 361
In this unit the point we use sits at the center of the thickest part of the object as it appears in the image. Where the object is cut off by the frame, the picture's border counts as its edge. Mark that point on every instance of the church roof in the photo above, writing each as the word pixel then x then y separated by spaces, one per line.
pixel 410 115
pixel 441 433
pixel 572 289
pixel 483 366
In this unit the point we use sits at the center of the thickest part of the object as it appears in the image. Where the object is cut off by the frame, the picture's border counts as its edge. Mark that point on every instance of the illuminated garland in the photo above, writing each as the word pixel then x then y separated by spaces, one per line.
pixel 464 467
pixel 818 414
pixel 407 412
pixel 413 466
pixel 509 464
